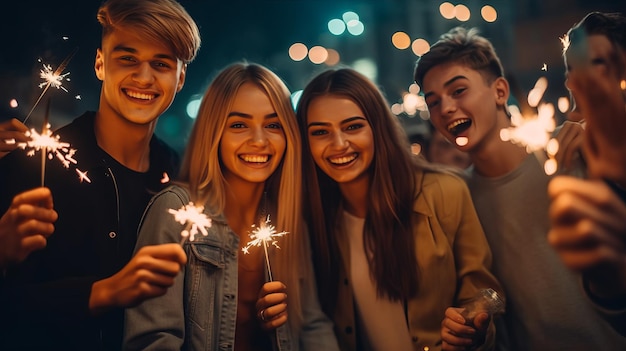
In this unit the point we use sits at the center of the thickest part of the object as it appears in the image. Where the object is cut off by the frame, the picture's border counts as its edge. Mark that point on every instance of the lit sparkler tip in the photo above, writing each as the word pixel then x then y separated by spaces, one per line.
pixel 263 234
pixel 50 144
pixel 194 219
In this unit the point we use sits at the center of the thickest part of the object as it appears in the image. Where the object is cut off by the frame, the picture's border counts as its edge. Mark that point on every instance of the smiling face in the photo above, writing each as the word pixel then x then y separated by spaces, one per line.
pixel 463 105
pixel 139 78
pixel 340 138
pixel 253 142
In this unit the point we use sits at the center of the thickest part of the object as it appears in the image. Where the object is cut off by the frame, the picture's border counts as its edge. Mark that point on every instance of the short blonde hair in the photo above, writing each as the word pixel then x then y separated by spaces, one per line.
pixel 164 21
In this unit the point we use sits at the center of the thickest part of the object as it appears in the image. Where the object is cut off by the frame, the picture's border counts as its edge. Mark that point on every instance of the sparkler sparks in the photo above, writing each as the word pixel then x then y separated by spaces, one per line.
pixel 194 219
pixel 49 144
pixel 52 78
pixel 265 235
pixel 83 176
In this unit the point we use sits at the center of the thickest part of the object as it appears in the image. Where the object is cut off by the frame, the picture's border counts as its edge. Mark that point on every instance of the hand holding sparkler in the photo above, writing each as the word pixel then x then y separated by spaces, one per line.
pixel 12 132
pixel 194 219
pixel 149 274
pixel 26 225
pixel 272 305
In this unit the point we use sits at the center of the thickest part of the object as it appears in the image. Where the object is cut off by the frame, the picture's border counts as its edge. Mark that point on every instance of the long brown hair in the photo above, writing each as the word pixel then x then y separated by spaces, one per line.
pixel 388 230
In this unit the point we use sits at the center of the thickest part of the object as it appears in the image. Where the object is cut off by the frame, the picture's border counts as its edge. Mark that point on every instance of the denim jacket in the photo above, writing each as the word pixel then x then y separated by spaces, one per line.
pixel 199 311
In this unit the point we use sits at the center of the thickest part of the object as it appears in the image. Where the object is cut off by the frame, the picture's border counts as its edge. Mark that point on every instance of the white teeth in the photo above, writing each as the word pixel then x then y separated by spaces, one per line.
pixel 456 123
pixel 141 96
pixel 342 160
pixel 255 158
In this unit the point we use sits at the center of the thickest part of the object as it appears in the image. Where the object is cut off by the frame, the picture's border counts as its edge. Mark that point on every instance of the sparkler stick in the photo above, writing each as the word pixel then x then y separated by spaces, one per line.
pixel 265 235
pixel 44 151
pixel 194 219
pixel 51 78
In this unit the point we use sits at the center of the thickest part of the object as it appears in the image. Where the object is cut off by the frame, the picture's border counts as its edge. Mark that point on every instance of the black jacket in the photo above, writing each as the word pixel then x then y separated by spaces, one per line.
pixel 44 302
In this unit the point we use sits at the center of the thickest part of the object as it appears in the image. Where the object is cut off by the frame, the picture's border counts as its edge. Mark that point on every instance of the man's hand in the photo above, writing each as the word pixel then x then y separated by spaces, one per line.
pixel 11 133
pixel 26 225
pixel 589 232
pixel 148 274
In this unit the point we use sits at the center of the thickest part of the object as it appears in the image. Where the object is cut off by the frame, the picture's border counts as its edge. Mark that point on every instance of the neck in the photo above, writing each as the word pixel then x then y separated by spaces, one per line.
pixel 498 158
pixel 355 196
pixel 127 143
pixel 242 204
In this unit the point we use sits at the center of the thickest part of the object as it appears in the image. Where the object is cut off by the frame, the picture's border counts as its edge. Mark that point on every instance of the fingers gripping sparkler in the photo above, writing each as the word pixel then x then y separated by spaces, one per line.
pixel 194 219
pixel 265 235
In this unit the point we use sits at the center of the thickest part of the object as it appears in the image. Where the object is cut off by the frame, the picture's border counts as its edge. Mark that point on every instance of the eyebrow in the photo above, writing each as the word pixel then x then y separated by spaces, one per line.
pixel 249 116
pixel 347 120
pixel 448 82
pixel 130 50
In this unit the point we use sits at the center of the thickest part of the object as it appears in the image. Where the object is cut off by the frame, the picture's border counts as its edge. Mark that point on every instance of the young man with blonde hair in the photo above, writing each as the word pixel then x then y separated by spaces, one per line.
pixel 71 295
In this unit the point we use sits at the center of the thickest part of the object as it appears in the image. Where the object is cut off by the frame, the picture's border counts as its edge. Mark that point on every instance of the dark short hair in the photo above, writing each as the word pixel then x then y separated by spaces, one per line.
pixel 462 46
pixel 612 25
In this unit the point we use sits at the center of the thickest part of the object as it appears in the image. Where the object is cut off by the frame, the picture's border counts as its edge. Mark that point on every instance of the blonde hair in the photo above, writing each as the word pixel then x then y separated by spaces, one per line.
pixel 202 173
pixel 164 21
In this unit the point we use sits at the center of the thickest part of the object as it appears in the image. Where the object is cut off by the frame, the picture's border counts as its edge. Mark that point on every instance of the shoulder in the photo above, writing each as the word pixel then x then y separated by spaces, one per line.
pixel 442 183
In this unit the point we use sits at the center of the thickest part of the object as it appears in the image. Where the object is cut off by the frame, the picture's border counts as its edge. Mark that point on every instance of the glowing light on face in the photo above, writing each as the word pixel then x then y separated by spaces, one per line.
pixel 50 144
pixel 461 141
pixel 565 42
pixel 563 104
pixel 264 235
pixel 194 219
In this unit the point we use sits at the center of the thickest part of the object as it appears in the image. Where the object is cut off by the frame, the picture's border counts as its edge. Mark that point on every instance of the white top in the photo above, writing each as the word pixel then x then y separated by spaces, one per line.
pixel 381 322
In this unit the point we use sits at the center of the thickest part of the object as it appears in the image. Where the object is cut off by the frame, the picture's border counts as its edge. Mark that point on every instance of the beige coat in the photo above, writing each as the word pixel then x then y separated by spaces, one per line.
pixel 454 263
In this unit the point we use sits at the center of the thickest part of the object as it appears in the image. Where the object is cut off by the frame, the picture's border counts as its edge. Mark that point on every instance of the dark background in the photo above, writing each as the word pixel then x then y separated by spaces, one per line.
pixel 526 35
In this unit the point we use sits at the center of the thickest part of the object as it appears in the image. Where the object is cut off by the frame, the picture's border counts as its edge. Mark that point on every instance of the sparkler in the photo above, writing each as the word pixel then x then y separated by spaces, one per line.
pixel 51 78
pixel 194 219
pixel 265 235
pixel 534 132
pixel 49 145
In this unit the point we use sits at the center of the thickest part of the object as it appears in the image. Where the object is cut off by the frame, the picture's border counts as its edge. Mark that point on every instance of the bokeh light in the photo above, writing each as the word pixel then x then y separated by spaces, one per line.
pixel 350 16
pixel 367 67
pixel 318 54
pixel 13 103
pixel 295 98
pixel 333 57
pixel 420 47
pixel 489 13
pixel 462 12
pixel 401 40
pixel 298 51
pixel 563 104
pixel 356 27
pixel 447 10
pixel 192 107
pixel 336 26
